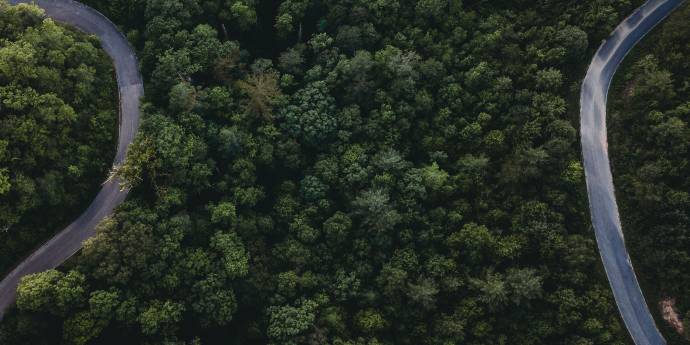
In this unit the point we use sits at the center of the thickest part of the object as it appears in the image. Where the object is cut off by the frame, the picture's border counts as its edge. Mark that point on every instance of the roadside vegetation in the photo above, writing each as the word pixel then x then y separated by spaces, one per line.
pixel 650 150
pixel 58 122
pixel 345 172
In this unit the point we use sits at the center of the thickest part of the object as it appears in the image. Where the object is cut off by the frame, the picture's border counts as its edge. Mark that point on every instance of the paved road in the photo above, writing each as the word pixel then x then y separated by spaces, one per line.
pixel 602 200
pixel 130 86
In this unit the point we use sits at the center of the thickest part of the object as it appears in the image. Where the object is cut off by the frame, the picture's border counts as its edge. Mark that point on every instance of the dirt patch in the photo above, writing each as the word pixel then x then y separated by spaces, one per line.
pixel 670 315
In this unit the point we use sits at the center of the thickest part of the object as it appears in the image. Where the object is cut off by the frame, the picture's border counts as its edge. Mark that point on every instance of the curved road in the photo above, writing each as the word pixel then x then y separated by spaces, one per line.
pixel 602 200
pixel 130 88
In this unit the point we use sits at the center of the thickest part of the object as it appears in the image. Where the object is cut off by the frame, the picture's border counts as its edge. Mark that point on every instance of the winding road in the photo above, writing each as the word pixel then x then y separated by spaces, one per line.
pixel 602 199
pixel 131 89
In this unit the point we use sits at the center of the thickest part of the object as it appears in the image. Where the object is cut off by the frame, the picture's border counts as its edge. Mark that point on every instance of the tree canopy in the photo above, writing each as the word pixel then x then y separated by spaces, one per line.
pixel 58 123
pixel 346 172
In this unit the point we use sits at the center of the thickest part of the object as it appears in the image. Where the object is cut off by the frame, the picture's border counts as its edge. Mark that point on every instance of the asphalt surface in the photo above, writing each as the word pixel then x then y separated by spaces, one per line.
pixel 130 87
pixel 602 200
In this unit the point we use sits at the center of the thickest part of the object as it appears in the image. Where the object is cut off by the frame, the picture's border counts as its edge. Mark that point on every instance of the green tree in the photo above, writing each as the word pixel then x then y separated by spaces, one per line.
pixel 310 115
pixel 232 254
pixel 160 316
pixel 376 211
pixel 285 322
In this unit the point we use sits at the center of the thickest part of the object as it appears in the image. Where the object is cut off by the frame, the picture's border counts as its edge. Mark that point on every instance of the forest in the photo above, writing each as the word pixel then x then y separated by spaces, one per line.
pixel 58 122
pixel 651 159
pixel 359 172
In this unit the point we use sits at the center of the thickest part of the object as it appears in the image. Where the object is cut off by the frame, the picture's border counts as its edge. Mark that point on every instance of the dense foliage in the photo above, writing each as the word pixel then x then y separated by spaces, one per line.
pixel 650 150
pixel 57 127
pixel 345 172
